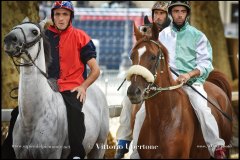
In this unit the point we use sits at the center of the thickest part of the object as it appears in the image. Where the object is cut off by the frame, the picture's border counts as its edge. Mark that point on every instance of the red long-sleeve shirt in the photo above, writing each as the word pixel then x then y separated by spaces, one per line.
pixel 67 47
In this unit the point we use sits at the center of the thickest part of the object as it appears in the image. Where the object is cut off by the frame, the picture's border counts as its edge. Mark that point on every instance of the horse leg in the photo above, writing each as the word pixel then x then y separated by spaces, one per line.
pixel 65 149
pixel 140 116
pixel 199 148
pixel 98 150
pixel 135 109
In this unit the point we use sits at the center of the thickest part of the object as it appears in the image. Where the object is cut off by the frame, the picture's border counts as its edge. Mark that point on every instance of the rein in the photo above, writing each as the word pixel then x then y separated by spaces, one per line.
pixel 159 89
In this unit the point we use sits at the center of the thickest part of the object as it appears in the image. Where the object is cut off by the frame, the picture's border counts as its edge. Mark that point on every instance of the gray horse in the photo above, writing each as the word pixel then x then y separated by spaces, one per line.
pixel 41 129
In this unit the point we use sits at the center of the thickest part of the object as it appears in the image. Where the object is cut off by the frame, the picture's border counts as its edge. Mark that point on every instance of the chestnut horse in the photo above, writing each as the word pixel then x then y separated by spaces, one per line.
pixel 171 128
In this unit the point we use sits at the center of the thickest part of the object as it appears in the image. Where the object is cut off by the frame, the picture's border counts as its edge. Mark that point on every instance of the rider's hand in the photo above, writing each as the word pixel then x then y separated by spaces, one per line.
pixel 183 78
pixel 81 93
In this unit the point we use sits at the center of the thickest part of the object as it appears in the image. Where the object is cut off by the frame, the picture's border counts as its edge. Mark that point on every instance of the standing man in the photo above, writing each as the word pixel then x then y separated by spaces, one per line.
pixel 190 56
pixel 124 132
pixel 71 50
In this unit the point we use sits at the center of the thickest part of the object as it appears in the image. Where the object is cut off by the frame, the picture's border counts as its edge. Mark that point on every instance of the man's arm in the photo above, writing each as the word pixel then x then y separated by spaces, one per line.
pixel 93 75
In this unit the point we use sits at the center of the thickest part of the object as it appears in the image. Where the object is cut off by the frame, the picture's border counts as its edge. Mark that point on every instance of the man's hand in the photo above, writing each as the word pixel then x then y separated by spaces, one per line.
pixel 81 93
pixel 183 78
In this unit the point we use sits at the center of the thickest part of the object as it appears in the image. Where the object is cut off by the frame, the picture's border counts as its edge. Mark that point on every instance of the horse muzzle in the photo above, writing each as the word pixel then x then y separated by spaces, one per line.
pixel 134 94
pixel 11 45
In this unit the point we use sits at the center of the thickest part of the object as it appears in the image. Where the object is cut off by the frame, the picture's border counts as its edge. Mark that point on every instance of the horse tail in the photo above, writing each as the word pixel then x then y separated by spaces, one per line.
pixel 220 79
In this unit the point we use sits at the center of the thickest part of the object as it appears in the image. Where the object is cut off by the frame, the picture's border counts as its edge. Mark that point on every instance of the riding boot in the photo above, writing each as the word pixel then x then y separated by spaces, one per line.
pixel 220 152
pixel 122 148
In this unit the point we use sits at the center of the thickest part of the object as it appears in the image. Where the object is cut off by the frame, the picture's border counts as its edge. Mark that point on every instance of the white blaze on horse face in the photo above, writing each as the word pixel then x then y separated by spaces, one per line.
pixel 140 52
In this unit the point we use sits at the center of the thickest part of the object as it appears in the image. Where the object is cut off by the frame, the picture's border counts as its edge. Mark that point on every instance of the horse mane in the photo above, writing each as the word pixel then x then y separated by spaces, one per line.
pixel 218 78
pixel 46 46
pixel 47 50
pixel 165 52
pixel 166 60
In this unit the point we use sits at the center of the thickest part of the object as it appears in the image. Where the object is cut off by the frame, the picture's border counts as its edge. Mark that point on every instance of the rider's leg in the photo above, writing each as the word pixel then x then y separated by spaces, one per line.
pixel 76 126
pixel 124 132
pixel 207 121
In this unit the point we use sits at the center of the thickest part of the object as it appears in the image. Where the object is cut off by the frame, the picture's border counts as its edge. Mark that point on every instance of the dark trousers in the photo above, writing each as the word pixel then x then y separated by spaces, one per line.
pixel 76 126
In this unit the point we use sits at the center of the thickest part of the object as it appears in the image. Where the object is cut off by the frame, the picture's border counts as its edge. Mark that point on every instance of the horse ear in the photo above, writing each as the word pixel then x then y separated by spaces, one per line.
pixel 137 33
pixel 146 20
pixel 26 19
pixel 155 31
pixel 45 23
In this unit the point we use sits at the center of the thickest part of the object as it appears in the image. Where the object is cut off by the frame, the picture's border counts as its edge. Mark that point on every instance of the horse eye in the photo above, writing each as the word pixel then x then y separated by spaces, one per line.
pixel 153 57
pixel 35 32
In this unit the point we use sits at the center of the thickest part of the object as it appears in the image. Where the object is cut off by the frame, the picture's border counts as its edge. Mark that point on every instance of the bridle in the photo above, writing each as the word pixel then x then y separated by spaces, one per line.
pixel 22 49
pixel 152 86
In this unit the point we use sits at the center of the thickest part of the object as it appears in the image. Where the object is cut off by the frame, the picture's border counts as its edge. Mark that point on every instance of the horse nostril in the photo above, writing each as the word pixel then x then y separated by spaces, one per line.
pixel 138 91
pixel 10 38
pixel 14 39
pixel 133 91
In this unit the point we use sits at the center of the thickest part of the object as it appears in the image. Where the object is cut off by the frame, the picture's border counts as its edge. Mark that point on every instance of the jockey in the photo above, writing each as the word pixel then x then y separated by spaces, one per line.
pixel 191 57
pixel 124 132
pixel 72 49
pixel 159 16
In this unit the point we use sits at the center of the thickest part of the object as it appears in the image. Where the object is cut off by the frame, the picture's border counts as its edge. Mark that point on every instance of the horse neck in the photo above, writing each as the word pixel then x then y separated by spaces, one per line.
pixel 164 77
pixel 162 105
pixel 40 60
pixel 33 88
